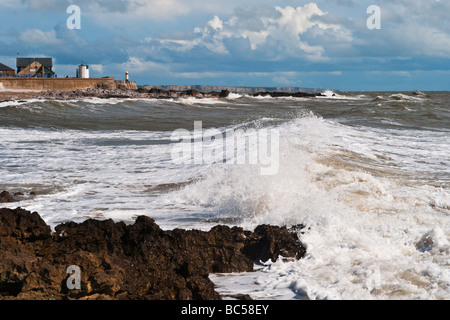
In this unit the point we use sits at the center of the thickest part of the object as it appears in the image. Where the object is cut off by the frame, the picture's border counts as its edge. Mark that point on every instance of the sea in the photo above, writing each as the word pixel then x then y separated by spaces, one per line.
pixel 367 175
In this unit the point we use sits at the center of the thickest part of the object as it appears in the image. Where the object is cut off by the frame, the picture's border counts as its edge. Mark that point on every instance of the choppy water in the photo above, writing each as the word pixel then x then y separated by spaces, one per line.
pixel 367 173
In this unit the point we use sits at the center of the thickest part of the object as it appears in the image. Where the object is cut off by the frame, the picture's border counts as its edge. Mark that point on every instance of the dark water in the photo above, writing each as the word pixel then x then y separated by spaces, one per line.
pixel 375 109
pixel 369 173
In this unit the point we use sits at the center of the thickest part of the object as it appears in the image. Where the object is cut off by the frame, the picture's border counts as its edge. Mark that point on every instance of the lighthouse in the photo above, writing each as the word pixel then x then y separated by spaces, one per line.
pixel 83 71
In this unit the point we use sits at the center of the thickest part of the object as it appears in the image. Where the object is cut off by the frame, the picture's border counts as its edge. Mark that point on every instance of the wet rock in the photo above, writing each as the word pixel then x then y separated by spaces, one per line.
pixel 224 93
pixel 193 93
pixel 23 225
pixel 119 261
pixel 6 197
pixel 268 243
pixel 103 92
pixel 418 93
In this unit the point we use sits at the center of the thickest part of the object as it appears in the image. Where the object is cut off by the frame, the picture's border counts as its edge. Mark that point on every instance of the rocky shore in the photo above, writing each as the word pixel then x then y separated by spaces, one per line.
pixel 128 262
pixel 122 92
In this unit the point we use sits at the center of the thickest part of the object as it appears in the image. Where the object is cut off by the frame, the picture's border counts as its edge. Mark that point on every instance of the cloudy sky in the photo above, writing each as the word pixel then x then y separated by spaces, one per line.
pixel 314 44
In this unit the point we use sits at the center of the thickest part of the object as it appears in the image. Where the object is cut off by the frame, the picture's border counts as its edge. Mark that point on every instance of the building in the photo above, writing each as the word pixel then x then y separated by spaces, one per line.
pixel 6 71
pixel 35 67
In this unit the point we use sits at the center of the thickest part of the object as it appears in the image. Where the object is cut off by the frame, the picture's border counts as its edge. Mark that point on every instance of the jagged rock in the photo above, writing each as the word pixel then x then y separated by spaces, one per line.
pixel 23 225
pixel 268 243
pixel 119 261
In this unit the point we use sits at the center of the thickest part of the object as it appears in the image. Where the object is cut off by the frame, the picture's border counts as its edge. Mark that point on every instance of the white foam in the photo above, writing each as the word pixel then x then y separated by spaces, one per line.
pixel 233 96
pixel 363 227
pixel 15 103
pixel 404 97
pixel 377 228
pixel 203 102
pixel 329 94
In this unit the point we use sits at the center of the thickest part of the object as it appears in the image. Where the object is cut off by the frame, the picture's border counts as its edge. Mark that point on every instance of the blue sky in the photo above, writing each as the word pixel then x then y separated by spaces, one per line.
pixel 314 44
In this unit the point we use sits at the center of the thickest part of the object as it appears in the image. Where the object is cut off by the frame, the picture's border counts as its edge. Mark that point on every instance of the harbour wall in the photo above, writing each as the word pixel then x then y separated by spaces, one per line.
pixel 63 84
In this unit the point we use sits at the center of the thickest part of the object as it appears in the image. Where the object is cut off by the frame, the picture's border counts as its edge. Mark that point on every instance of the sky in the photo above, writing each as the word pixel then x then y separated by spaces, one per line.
pixel 310 44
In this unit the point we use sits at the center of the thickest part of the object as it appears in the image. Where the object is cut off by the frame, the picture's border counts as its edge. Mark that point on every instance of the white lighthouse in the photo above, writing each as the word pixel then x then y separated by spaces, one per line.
pixel 83 71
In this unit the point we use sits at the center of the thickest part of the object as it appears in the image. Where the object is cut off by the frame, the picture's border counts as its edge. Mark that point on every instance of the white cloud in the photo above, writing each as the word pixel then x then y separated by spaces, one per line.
pixel 138 65
pixel 9 3
pixel 422 40
pixel 216 23
pixel 39 37
pixel 99 68
pixel 299 20
pixel 409 28
pixel 284 26
pixel 286 79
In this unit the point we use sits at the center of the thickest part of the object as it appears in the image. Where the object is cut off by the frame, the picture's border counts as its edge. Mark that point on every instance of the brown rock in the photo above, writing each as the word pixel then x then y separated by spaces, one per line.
pixel 193 93
pixel 268 243
pixel 23 225
pixel 133 262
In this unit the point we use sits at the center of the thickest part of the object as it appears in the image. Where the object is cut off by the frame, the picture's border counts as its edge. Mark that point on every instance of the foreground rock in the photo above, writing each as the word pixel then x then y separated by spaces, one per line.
pixel 119 261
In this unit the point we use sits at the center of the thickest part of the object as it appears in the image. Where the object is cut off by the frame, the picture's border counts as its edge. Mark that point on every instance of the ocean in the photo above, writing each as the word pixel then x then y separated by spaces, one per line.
pixel 366 173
